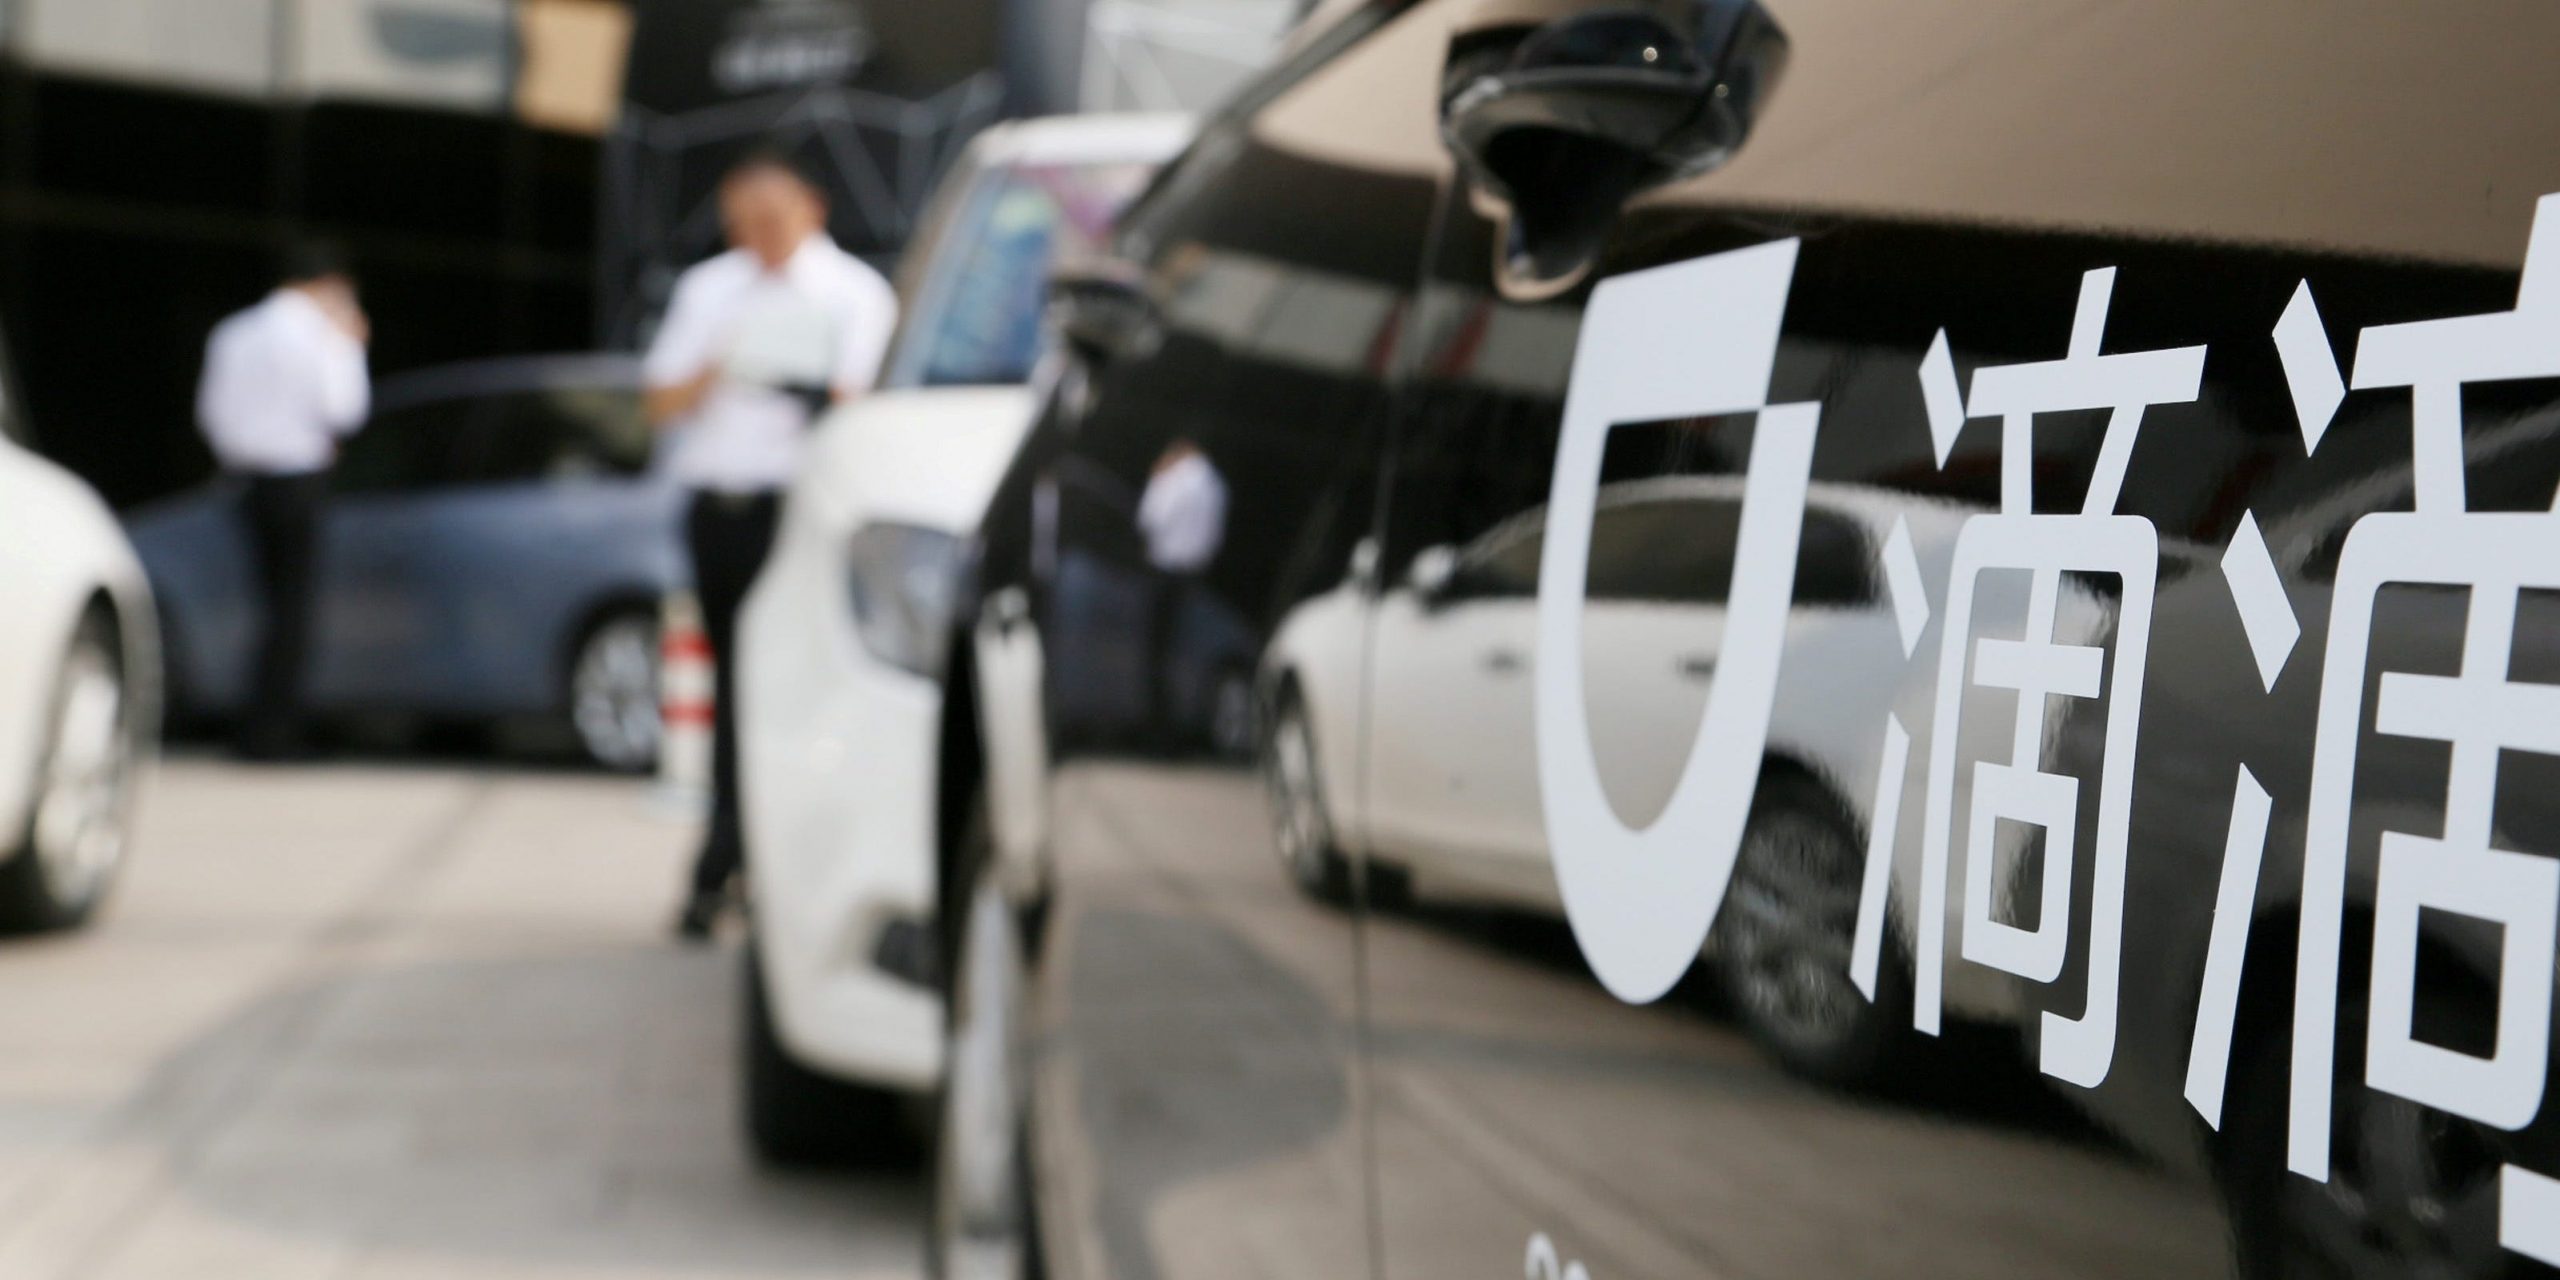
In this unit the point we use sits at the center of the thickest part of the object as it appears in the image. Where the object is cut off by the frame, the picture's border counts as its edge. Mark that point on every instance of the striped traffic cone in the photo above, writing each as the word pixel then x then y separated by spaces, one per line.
pixel 685 693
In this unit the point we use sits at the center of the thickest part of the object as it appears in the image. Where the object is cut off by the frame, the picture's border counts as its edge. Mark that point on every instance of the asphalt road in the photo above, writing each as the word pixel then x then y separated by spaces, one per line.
pixel 356 1022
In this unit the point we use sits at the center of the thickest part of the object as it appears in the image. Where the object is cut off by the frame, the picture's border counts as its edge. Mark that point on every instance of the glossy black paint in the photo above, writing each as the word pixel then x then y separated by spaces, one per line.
pixel 1411 1072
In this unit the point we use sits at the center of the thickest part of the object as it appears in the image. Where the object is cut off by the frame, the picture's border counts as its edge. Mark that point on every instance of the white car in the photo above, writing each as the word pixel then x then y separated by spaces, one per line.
pixel 79 691
pixel 1449 802
pixel 840 644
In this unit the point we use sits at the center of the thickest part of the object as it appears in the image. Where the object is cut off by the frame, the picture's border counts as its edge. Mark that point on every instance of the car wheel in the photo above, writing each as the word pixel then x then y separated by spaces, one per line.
pixel 1785 935
pixel 613 691
pixel 982 1226
pixel 1300 823
pixel 80 810
pixel 1231 727
pixel 798 1118
pixel 2413 1191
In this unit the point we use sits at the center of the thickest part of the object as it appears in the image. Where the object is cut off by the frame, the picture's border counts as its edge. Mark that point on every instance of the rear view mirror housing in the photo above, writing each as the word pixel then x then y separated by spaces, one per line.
pixel 1102 310
pixel 1433 575
pixel 1562 126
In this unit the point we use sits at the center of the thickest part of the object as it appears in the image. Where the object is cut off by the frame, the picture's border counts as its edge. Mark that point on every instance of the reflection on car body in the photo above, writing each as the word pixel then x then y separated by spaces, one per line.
pixel 1436 667
pixel 2220 434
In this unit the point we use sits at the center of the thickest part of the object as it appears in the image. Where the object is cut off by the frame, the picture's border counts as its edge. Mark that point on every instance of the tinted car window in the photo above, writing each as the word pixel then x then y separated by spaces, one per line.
pixel 558 432
pixel 1676 551
pixel 404 449
pixel 984 327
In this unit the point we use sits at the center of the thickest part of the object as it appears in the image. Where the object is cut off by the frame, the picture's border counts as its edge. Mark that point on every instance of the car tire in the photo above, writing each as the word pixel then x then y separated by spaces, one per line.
pixel 798 1118
pixel 983 1223
pixel 2413 1191
pixel 1232 732
pixel 80 806
pixel 1784 936
pixel 1301 824
pixel 611 693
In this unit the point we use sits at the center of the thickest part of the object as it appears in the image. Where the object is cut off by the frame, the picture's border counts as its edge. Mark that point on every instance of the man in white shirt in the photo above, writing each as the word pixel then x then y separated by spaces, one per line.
pixel 755 342
pixel 1182 514
pixel 283 381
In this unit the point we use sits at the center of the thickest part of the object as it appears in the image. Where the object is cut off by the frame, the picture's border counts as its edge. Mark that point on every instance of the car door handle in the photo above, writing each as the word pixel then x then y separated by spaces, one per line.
pixel 1697 666
pixel 1504 662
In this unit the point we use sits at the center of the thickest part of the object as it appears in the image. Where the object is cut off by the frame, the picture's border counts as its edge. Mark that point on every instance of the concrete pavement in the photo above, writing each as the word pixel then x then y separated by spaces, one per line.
pixel 364 1022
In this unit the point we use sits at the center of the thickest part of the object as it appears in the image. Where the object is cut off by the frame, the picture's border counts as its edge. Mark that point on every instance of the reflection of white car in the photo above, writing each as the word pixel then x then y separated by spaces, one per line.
pixel 79 691
pixel 1450 802
pixel 840 696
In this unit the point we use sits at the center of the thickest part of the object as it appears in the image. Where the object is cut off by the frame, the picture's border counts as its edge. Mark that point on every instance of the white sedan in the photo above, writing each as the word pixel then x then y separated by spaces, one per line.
pixel 841 644
pixel 79 690
pixel 1442 656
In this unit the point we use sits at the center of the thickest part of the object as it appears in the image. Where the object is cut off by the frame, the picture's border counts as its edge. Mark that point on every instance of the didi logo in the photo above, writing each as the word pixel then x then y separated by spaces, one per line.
pixel 1692 339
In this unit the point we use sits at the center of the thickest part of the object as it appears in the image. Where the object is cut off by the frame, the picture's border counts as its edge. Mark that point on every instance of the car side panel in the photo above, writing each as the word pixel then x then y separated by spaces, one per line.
pixel 1195 1099
pixel 1533 1098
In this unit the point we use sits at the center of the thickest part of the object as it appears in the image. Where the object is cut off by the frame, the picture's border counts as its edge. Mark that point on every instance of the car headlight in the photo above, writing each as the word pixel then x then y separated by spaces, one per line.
pixel 906 582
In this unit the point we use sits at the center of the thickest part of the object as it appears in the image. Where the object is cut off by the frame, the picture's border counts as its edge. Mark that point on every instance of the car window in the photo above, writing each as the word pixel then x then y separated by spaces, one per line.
pixel 558 432
pixel 412 447
pixel 1505 562
pixel 1674 551
pixel 981 323
pixel 1835 561
pixel 1677 551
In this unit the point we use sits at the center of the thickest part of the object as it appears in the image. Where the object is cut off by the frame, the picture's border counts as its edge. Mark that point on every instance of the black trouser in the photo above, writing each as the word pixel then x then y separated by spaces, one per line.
pixel 282 513
pixel 1165 725
pixel 729 536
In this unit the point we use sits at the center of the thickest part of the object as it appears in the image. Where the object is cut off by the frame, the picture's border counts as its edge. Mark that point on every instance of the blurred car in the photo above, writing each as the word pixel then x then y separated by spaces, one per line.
pixel 496 547
pixel 2170 721
pixel 843 640
pixel 1435 669
pixel 79 690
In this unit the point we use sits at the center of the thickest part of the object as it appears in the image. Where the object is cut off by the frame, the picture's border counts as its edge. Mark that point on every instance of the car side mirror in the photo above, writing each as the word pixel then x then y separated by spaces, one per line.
pixel 1362 572
pixel 1433 575
pixel 1102 309
pixel 1582 114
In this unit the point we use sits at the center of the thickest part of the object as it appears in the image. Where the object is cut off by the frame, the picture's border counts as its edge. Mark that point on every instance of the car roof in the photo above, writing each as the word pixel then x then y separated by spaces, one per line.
pixel 1130 137
pixel 508 374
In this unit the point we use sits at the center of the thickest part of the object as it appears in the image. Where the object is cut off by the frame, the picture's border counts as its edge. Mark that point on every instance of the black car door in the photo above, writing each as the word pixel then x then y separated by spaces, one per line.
pixel 2108 837
pixel 1206 463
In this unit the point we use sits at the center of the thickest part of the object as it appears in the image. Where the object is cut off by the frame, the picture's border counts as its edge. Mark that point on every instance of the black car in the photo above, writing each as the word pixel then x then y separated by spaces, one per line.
pixel 1890 640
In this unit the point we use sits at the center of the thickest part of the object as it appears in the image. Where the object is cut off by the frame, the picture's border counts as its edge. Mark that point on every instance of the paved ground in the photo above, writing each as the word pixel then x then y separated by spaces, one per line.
pixel 362 1022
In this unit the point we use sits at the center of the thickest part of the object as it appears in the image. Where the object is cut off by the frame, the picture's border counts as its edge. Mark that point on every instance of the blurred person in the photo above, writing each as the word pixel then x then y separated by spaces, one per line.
pixel 283 381
pixel 1183 516
pixel 755 342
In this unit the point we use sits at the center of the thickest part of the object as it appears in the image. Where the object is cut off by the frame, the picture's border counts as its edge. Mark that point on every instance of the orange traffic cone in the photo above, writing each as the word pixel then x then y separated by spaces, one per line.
pixel 685 693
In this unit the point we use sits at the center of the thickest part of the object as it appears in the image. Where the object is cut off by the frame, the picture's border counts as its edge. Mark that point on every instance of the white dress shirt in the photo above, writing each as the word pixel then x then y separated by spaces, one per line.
pixel 823 321
pixel 1183 514
pixel 281 383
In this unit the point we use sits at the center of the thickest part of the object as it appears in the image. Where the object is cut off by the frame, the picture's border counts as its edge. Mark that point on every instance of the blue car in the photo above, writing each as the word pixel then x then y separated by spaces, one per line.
pixel 496 550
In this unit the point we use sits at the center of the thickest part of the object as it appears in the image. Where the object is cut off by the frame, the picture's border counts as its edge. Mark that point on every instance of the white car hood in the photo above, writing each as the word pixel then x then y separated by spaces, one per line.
pixel 926 456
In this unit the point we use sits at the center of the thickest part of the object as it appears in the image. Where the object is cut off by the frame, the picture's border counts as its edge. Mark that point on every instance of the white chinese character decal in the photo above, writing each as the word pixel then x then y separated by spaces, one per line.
pixel 2479 713
pixel 2041 667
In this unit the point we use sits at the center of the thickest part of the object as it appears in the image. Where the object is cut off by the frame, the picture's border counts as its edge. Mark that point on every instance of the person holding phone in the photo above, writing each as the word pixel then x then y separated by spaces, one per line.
pixel 755 343
pixel 283 381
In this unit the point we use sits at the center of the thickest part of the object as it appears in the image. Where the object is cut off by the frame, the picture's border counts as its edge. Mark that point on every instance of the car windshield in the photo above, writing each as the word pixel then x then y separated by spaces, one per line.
pixel 981 323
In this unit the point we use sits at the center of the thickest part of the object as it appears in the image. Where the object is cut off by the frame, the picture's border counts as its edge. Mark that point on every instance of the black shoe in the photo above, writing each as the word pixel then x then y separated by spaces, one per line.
pixel 701 912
